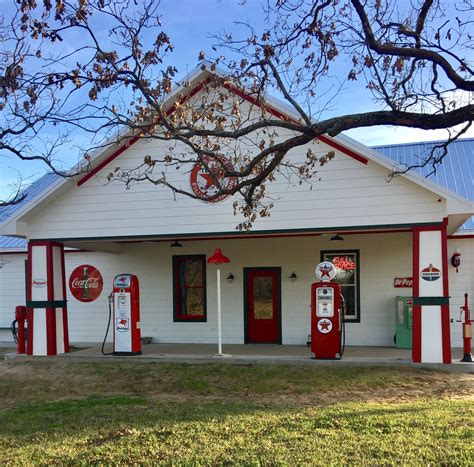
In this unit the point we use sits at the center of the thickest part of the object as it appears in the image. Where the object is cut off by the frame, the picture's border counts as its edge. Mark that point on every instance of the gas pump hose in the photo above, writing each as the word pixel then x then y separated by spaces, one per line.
pixel 108 326
pixel 14 330
pixel 343 334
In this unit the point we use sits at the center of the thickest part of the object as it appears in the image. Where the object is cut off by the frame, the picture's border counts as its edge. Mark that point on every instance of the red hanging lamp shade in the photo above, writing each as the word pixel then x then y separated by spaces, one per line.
pixel 218 258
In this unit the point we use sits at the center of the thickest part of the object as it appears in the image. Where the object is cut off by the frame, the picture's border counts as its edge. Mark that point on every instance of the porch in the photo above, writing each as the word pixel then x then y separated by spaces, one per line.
pixel 254 354
pixel 270 353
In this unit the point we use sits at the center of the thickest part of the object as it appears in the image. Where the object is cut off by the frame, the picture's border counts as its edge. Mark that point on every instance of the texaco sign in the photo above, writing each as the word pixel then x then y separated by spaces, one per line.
pixel 204 183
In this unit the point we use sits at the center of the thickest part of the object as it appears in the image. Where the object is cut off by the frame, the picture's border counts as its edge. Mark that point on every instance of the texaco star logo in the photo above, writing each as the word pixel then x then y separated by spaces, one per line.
pixel 325 271
pixel 324 326
pixel 204 182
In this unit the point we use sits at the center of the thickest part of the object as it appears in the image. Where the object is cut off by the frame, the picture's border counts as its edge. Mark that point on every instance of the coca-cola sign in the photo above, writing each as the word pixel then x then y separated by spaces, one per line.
pixel 86 283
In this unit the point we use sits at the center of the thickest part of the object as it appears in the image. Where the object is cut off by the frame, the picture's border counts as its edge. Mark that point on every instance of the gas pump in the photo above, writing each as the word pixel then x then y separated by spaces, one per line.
pixel 125 298
pixel 326 314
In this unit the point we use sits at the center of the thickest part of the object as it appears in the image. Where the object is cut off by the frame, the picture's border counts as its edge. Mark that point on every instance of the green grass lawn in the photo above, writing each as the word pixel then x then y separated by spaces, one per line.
pixel 222 413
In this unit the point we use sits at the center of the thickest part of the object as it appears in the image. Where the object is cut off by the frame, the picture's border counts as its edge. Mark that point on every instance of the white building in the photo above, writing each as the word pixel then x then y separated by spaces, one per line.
pixel 390 230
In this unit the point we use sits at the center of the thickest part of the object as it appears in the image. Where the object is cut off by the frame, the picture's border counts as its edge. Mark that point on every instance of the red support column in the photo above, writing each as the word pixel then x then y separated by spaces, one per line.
pixel 46 299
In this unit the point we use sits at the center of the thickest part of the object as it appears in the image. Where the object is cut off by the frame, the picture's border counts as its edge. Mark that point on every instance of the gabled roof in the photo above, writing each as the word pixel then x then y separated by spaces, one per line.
pixel 48 184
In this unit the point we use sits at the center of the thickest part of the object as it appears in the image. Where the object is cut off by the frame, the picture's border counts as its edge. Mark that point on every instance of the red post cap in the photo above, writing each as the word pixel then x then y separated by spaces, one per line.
pixel 218 258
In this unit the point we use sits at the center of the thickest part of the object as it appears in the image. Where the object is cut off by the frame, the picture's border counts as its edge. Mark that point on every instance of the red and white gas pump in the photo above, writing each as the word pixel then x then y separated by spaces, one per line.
pixel 126 315
pixel 326 314
pixel 466 330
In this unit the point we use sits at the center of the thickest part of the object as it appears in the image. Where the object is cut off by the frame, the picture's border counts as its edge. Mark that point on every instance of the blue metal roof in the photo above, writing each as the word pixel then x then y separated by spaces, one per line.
pixel 38 187
pixel 12 242
pixel 456 172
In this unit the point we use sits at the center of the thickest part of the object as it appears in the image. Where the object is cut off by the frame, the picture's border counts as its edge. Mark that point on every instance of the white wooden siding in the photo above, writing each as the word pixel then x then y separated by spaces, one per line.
pixel 345 192
pixel 12 289
pixel 460 283
pixel 382 257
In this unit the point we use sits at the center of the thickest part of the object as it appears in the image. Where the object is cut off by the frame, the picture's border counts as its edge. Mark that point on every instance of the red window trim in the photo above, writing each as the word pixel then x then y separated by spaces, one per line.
pixel 177 316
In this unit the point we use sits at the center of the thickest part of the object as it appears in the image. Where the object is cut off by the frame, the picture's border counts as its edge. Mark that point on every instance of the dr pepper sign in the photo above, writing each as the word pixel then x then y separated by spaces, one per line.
pixel 86 283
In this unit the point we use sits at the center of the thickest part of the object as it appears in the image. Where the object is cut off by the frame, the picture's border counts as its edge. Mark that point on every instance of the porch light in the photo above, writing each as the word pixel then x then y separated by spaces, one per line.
pixel 218 258
pixel 293 277
pixel 176 244
pixel 336 237
pixel 230 278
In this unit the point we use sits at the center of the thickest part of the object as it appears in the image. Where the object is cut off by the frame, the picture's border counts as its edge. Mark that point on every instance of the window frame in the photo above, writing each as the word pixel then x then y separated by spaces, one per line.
pixel 357 278
pixel 177 317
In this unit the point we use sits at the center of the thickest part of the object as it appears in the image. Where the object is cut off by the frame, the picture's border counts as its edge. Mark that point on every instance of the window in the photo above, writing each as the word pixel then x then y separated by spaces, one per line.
pixel 346 263
pixel 189 288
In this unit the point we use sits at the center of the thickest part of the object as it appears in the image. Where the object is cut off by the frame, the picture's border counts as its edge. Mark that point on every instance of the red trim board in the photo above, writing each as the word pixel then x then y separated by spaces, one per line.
pixel 64 310
pixel 245 96
pixel 134 139
pixel 460 237
pixel 50 312
pixel 445 324
pixel 416 331
pixel 108 160
pixel 29 340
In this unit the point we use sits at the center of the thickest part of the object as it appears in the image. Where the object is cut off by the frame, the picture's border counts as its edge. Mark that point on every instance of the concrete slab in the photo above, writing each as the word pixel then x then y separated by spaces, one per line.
pixel 254 354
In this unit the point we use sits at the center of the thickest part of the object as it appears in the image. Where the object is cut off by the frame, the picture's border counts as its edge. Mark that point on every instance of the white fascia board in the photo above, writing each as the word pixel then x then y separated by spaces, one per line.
pixel 13 228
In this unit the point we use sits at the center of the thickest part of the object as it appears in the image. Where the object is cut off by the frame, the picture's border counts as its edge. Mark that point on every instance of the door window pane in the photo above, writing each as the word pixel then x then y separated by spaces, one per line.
pixel 263 297
pixel 192 271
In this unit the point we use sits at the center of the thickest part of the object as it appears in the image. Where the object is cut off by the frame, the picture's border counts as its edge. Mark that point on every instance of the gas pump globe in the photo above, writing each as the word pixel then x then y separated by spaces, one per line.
pixel 326 314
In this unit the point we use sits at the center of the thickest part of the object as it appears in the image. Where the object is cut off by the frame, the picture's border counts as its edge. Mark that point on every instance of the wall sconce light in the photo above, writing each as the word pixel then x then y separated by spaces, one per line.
pixel 293 277
pixel 176 244
pixel 336 237
pixel 230 278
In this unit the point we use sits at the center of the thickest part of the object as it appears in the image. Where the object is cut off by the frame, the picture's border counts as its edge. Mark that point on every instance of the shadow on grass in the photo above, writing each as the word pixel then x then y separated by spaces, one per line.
pixel 135 429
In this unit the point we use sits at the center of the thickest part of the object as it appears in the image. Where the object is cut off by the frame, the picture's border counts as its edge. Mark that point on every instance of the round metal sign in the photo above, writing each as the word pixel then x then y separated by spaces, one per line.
pixel 205 183
pixel 325 271
pixel 86 283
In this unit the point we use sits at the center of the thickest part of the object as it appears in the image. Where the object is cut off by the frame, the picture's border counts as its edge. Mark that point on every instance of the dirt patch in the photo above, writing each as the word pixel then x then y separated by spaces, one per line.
pixel 30 381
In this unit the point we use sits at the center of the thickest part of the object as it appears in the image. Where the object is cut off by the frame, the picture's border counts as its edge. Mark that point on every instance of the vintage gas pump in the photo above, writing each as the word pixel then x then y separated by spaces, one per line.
pixel 466 330
pixel 404 322
pixel 326 314
pixel 18 328
pixel 126 315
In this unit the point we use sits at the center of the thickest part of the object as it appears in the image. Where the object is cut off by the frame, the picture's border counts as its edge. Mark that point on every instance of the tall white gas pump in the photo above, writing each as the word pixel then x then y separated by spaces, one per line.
pixel 126 315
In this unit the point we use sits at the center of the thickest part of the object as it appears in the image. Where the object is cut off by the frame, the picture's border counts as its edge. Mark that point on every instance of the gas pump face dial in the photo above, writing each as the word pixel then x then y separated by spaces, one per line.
pixel 325 306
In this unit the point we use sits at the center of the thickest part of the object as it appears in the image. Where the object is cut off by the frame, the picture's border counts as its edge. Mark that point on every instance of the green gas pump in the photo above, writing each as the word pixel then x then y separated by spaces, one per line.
pixel 404 317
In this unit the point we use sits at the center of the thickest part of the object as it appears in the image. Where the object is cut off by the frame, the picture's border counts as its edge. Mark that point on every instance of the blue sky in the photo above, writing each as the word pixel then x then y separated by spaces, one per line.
pixel 189 23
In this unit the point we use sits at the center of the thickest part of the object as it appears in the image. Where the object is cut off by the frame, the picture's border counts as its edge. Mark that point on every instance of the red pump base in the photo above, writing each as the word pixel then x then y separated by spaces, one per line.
pixel 466 332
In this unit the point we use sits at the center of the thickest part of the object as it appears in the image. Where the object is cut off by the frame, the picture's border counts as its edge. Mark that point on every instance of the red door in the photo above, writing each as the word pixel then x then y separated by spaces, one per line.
pixel 262 305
